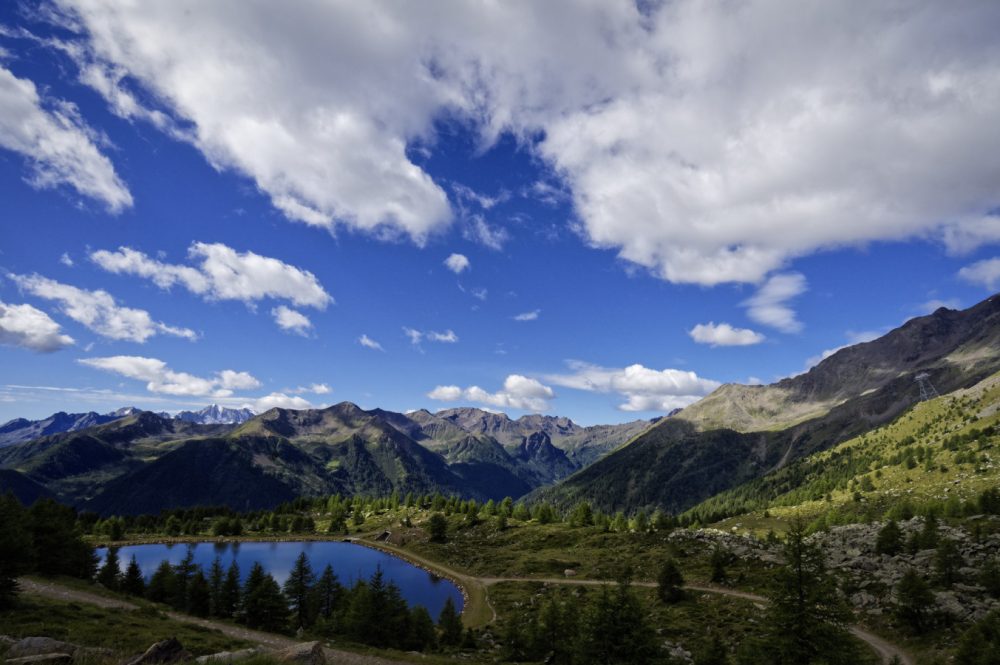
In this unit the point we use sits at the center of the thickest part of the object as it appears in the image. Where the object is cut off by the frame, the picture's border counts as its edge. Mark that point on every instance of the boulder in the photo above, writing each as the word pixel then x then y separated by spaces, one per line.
pixel 35 646
pixel 43 659
pixel 307 653
pixel 227 656
pixel 165 651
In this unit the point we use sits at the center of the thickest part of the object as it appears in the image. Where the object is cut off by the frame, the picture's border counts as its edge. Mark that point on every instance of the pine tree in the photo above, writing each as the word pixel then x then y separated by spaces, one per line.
pixel 437 528
pixel 913 601
pixel 582 515
pixel 929 534
pixel 231 595
pixel 616 630
pixel 16 547
pixel 263 605
pixel 58 544
pixel 199 595
pixel 807 619
pixel 718 562
pixel 947 560
pixel 183 572
pixel 109 574
pixel 980 644
pixel 670 582
pixel 298 589
pixel 133 583
pixel 421 635
pixel 162 586
pixel 216 576
pixel 890 539
pixel 450 624
pixel 327 593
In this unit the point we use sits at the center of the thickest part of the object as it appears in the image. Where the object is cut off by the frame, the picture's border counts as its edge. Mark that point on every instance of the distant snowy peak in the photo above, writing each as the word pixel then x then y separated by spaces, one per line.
pixel 213 414
pixel 124 411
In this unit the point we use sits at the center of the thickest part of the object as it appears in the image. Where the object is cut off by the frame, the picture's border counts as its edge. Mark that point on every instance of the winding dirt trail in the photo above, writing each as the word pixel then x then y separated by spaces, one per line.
pixel 885 649
pixel 268 640
pixel 478 610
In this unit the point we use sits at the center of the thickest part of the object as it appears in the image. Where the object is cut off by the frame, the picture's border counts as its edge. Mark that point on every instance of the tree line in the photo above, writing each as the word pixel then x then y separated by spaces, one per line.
pixel 371 612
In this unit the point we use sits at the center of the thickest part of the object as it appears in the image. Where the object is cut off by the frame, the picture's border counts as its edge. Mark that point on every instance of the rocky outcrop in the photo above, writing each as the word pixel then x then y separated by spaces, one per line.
pixel 227 656
pixel 306 653
pixel 165 651
pixel 35 646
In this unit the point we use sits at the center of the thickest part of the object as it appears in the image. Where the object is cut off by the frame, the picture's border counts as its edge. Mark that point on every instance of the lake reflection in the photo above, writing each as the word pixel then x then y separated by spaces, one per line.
pixel 350 562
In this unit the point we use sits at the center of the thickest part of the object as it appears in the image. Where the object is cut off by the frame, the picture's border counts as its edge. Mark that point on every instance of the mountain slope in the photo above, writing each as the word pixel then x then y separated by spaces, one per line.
pixel 20 430
pixel 742 432
pixel 940 452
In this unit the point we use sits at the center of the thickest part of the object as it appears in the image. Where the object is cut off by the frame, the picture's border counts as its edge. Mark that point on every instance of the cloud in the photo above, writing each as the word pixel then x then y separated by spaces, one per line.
pixel 279 401
pixel 66 260
pixel 222 273
pixel 369 343
pixel 709 142
pixel 724 334
pixel 477 230
pixel 291 320
pixel 528 316
pixel 161 379
pixel 416 336
pixel 985 273
pixel 457 263
pixel 98 311
pixel 58 147
pixel 518 392
pixel 30 328
pixel 769 306
pixel 645 389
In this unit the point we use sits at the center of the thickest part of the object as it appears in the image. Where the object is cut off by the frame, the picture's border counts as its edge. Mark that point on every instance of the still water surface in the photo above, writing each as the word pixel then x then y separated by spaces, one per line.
pixel 350 562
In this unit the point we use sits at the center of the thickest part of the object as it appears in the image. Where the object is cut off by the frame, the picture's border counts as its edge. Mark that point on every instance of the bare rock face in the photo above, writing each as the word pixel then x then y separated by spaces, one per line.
pixel 36 646
pixel 165 651
pixel 306 653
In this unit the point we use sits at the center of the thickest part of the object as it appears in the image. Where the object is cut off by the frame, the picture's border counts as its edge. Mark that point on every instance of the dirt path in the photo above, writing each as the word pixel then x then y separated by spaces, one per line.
pixel 885 649
pixel 267 640
pixel 477 611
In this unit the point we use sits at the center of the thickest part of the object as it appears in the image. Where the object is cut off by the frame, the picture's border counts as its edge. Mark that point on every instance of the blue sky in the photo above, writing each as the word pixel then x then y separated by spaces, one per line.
pixel 221 210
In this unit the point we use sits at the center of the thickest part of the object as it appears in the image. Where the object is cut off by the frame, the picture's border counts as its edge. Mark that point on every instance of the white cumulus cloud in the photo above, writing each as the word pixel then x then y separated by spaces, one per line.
pixel 160 378
pixel 708 141
pixel 723 334
pixel 528 316
pixel 457 263
pixel 57 146
pixel 645 389
pixel 31 328
pixel 222 273
pixel 518 392
pixel 985 273
pixel 279 401
pixel 291 320
pixel 98 311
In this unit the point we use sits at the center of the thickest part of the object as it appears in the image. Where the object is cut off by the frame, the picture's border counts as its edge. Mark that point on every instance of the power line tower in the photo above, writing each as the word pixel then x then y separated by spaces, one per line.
pixel 927 390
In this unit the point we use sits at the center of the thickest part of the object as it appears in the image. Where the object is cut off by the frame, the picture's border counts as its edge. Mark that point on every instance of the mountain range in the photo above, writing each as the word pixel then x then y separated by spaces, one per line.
pixel 132 462
pixel 20 430
pixel 145 462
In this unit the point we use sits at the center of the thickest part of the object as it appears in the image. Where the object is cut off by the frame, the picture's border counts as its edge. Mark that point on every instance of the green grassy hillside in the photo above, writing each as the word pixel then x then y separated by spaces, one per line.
pixel 940 455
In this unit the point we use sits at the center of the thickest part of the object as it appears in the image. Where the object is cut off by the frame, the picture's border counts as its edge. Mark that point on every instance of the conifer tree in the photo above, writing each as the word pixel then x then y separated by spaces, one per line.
pixel 298 589
pixel 16 547
pixel 327 593
pixel 133 583
pixel 216 576
pixel 913 601
pixel 890 539
pixel 199 595
pixel 230 597
pixel 263 606
pixel 450 624
pixel 109 574
pixel 807 619
pixel 670 582
pixel 947 560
